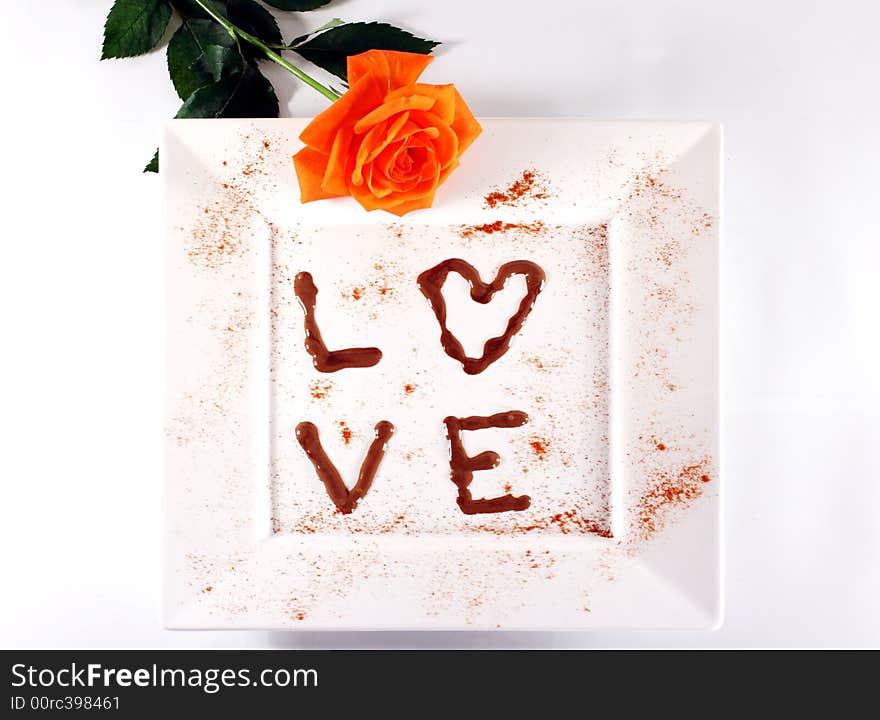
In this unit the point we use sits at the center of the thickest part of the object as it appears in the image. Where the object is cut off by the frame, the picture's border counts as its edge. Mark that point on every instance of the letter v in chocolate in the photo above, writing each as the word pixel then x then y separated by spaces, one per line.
pixel 345 500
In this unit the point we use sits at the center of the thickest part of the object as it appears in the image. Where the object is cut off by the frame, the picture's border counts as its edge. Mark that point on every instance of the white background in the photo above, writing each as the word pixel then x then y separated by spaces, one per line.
pixel 82 291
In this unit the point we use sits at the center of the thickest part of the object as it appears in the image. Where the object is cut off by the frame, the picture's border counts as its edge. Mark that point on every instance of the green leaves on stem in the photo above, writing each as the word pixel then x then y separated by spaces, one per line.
pixel 239 91
pixel 213 54
pixel 253 19
pixel 188 64
pixel 330 49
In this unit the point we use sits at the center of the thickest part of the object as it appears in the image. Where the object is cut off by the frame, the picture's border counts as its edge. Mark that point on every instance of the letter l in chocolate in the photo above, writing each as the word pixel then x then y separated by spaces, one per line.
pixel 325 360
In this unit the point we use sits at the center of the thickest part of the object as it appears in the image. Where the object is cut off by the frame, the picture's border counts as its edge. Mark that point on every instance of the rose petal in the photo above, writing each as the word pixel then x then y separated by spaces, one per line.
pixel 371 139
pixel 391 135
pixel 334 176
pixel 388 164
pixel 419 204
pixel 465 125
pixel 374 181
pixel 371 202
pixel 446 143
pixel 445 172
pixel 392 107
pixel 396 126
pixel 310 169
pixel 400 68
pixel 443 96
pixel 360 99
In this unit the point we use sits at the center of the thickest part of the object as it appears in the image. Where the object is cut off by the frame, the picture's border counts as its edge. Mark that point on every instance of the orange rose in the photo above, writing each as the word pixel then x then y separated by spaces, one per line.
pixel 389 142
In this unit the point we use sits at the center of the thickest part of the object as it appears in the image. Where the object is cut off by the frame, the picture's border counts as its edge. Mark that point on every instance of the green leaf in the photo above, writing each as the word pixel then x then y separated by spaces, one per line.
pixel 331 48
pixel 187 64
pixel 248 15
pixel 243 94
pixel 254 19
pixel 297 4
pixel 335 22
pixel 134 27
pixel 191 9
pixel 221 62
pixel 153 165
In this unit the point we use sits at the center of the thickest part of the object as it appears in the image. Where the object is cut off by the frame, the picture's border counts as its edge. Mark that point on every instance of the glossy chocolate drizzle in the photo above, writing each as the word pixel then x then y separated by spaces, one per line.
pixel 345 500
pixel 325 360
pixel 463 465
pixel 431 284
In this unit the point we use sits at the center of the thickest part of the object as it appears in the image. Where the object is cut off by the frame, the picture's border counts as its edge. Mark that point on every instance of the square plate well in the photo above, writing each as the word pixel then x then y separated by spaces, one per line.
pixel 616 367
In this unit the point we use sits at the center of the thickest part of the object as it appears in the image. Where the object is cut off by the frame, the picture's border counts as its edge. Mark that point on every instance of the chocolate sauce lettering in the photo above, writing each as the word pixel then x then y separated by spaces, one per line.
pixel 463 465
pixel 345 500
pixel 325 360
pixel 431 284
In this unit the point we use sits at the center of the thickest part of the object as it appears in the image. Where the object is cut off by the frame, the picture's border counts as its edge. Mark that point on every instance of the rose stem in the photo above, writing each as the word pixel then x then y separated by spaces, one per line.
pixel 237 32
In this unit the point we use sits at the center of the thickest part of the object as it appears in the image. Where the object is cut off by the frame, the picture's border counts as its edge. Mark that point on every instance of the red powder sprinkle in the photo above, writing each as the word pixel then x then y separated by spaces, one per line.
pixel 572 517
pixel 527 185
pixel 661 446
pixel 469 231
pixel 208 589
pixel 319 389
pixel 570 521
pixel 382 287
pixel 539 447
pixel 345 432
pixel 668 491
pixel 667 254
pixel 324 519
pixel 387 528
pixel 409 388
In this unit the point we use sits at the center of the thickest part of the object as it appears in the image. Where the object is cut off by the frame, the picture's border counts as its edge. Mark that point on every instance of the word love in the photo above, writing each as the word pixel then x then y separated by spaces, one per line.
pixel 462 465
pixel 431 283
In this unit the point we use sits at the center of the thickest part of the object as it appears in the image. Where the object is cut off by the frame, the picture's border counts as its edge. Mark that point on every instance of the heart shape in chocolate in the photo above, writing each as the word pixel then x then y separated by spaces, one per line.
pixel 431 284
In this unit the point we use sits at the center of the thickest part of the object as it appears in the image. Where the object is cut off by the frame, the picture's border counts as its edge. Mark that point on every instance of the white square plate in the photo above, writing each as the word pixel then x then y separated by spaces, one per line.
pixel 616 367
